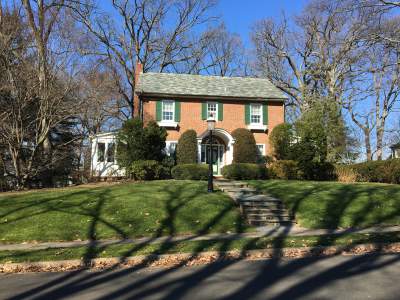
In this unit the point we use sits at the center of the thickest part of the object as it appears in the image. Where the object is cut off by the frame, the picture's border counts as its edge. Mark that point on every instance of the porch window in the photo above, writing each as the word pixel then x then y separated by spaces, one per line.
pixel 261 150
pixel 255 114
pixel 168 110
pixel 110 152
pixel 101 149
pixel 212 110
pixel 170 148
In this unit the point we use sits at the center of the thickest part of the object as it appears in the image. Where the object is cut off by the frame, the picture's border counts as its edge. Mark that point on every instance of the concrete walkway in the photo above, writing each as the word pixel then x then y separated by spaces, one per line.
pixel 267 231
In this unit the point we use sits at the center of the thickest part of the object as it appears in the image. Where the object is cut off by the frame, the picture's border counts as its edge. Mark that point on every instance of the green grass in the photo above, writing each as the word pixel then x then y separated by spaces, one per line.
pixel 126 210
pixel 337 205
pixel 196 247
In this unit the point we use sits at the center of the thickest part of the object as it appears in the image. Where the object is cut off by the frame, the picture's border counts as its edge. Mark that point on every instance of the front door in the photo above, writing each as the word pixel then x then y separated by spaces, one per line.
pixel 217 155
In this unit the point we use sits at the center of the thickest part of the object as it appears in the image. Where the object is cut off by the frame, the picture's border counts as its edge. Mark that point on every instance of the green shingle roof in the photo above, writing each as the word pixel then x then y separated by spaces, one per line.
pixel 184 85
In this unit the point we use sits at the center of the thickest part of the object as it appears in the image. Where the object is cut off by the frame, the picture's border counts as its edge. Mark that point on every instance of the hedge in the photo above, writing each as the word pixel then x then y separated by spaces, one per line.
pixel 190 172
pixel 244 149
pixel 384 171
pixel 146 170
pixel 284 169
pixel 244 171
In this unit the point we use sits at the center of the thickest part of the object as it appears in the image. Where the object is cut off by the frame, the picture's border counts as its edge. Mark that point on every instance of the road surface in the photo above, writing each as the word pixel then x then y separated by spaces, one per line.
pixel 341 277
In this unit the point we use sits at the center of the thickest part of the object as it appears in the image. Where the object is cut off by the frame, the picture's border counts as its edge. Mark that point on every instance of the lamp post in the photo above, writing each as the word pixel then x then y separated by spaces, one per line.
pixel 211 127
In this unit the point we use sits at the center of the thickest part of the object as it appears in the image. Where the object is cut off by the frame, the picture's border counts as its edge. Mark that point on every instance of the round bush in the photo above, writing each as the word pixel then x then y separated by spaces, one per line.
pixel 240 171
pixel 244 149
pixel 186 151
pixel 190 172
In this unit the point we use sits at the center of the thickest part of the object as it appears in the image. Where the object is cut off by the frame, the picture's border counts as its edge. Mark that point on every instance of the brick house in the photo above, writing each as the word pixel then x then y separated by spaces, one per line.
pixel 180 102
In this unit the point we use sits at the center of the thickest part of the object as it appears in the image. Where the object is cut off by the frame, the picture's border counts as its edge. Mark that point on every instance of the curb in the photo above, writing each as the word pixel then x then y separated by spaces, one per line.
pixel 193 259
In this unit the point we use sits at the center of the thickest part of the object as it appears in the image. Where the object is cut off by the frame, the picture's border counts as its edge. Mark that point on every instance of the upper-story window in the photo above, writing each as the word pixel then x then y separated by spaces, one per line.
pixel 168 110
pixel 212 110
pixel 255 114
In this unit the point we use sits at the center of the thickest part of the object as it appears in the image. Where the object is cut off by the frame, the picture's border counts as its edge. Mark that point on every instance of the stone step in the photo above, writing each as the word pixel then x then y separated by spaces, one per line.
pixel 259 197
pixel 269 222
pixel 231 184
pixel 265 217
pixel 242 190
pixel 262 210
pixel 262 205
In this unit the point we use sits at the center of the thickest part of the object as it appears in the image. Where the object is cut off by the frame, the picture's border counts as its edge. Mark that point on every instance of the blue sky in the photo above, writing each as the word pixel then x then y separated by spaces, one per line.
pixel 239 15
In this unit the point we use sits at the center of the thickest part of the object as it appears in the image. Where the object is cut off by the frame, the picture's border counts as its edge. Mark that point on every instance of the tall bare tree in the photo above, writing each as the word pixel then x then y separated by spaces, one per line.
pixel 156 34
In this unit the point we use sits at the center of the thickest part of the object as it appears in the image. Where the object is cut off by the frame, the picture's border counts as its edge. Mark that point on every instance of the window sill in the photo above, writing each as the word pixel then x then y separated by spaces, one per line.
pixel 172 124
pixel 257 127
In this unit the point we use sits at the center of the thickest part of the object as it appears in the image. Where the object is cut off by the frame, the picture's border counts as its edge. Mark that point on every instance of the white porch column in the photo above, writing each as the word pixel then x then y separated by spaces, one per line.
pixel 199 150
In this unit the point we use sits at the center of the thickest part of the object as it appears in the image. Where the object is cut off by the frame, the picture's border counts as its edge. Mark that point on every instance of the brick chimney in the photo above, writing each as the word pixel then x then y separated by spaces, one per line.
pixel 136 100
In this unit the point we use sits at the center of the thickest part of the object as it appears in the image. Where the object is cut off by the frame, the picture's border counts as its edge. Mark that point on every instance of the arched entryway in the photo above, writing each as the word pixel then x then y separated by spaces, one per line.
pixel 222 149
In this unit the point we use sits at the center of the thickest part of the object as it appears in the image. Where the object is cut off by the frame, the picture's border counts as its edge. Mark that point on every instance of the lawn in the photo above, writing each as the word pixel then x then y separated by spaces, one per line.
pixel 116 211
pixel 336 205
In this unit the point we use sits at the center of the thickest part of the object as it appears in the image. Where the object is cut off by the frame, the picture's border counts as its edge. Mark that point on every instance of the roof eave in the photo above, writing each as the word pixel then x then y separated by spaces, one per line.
pixel 207 97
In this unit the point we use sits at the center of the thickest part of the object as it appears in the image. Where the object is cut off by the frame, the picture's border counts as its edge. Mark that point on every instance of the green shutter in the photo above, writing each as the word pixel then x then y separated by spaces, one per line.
pixel 247 113
pixel 220 111
pixel 177 111
pixel 204 110
pixel 265 113
pixel 158 110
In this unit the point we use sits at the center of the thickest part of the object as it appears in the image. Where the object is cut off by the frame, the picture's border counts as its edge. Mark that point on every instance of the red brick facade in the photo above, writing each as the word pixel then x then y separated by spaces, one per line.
pixel 233 117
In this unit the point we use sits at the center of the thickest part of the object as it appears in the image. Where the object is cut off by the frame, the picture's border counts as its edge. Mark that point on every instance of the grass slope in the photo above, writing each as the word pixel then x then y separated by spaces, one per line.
pixel 337 205
pixel 113 211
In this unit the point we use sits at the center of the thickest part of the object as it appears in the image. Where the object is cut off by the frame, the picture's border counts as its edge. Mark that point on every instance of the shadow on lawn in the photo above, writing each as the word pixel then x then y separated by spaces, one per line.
pixel 175 285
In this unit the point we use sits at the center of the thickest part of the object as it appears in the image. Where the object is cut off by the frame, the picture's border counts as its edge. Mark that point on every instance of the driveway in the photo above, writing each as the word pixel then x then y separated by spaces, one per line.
pixel 341 277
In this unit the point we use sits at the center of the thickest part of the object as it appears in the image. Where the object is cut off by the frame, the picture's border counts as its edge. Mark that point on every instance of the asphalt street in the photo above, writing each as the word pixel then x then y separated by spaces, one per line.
pixel 340 277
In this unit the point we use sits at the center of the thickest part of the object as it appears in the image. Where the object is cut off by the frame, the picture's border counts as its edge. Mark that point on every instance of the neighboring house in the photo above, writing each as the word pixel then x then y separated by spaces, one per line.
pixel 180 102
pixel 395 150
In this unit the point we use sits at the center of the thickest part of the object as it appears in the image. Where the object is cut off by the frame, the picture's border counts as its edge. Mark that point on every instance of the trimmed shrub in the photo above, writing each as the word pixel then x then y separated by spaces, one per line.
pixel 244 149
pixel 284 169
pixel 138 143
pixel 384 171
pixel 186 151
pixel 280 140
pixel 146 170
pixel 244 171
pixel 190 172
pixel 345 173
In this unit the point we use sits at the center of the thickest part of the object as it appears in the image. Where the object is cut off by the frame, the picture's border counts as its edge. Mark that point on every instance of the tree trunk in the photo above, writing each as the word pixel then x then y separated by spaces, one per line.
pixel 367 140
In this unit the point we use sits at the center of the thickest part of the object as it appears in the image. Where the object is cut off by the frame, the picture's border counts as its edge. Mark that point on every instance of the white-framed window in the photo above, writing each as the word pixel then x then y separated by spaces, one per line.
pixel 168 110
pixel 212 110
pixel 255 114
pixel 170 147
pixel 261 149
pixel 110 152
pixel 101 149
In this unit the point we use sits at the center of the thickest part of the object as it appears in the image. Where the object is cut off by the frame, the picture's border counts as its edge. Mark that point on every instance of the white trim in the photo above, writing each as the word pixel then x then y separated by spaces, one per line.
pixel 257 127
pixel 172 124
pixel 260 125
pixel 261 113
pixel 226 137
pixel 216 109
pixel 168 145
pixel 162 110
pixel 263 147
